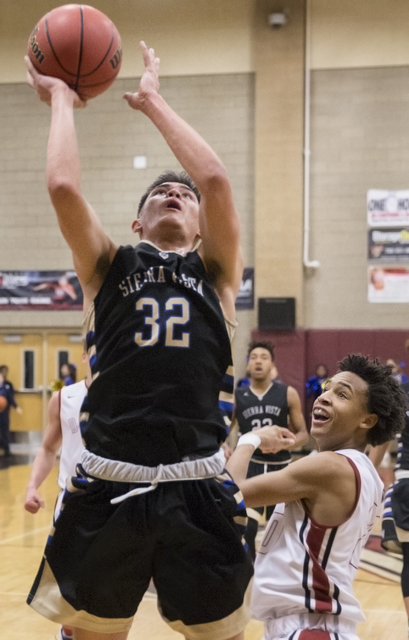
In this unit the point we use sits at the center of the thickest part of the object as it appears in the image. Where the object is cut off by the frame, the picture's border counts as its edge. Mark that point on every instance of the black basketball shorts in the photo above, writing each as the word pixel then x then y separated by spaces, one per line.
pixel 395 519
pixel 258 469
pixel 185 535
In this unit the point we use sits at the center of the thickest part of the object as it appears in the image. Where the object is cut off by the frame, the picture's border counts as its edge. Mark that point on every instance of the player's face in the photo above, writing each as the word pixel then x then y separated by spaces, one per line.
pixel 260 364
pixel 171 208
pixel 340 416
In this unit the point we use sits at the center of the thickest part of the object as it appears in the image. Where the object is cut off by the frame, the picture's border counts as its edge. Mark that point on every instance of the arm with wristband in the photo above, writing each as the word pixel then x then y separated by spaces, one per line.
pixel 269 439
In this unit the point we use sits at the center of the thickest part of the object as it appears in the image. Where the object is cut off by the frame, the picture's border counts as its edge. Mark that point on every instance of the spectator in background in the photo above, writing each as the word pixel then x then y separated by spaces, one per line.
pixel 397 371
pixel 68 373
pixel 314 383
pixel 6 390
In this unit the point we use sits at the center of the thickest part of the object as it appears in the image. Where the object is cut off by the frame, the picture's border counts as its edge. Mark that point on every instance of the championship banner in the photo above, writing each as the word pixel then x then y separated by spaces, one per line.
pixel 387 208
pixel 40 291
pixel 388 284
pixel 388 244
pixel 245 296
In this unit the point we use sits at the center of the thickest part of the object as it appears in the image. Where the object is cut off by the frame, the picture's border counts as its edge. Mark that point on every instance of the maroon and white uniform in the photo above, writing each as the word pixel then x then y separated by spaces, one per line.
pixel 304 571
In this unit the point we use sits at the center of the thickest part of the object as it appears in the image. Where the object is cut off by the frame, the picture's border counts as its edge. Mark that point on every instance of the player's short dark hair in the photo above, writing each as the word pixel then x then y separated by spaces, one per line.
pixel 262 344
pixel 170 176
pixel 385 398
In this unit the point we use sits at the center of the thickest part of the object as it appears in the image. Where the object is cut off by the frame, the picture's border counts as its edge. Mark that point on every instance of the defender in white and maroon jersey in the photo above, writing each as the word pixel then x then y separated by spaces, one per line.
pixel 327 505
pixel 305 570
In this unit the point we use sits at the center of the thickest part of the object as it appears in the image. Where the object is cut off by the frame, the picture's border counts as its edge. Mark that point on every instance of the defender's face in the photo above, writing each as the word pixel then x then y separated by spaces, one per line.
pixel 168 208
pixel 260 364
pixel 340 414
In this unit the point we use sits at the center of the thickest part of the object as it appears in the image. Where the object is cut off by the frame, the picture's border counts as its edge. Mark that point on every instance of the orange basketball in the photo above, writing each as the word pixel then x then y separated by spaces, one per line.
pixel 3 403
pixel 79 45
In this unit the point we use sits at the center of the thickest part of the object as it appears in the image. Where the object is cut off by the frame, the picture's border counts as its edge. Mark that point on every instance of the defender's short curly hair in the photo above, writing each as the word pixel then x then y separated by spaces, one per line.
pixel 262 344
pixel 170 176
pixel 385 398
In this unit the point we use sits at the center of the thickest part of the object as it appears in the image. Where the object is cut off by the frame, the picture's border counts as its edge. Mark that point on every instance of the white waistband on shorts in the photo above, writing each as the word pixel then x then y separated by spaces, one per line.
pixel 281 627
pixel 401 474
pixel 118 471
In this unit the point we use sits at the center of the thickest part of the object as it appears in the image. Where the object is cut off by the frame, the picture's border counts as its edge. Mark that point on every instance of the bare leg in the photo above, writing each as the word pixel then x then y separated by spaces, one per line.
pixel 82 634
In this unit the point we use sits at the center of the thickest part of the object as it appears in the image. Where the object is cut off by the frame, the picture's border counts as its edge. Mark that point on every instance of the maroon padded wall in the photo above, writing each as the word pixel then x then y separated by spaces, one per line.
pixel 329 346
pixel 290 350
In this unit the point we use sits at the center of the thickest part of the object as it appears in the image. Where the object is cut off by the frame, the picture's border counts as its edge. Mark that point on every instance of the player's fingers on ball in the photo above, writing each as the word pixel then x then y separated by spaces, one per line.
pixel 30 80
pixel 28 64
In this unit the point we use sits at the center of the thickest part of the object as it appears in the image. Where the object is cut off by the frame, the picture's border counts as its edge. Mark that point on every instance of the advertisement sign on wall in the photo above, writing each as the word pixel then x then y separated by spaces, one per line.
pixel 388 244
pixel 388 284
pixel 387 208
pixel 245 296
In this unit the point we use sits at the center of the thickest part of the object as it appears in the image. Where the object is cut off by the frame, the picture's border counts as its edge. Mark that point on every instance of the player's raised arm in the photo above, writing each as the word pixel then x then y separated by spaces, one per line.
pixel 219 224
pixel 92 249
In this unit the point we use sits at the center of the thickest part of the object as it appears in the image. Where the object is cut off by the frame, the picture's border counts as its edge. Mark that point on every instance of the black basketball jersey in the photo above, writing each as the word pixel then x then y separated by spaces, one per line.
pixel 160 354
pixel 402 458
pixel 254 411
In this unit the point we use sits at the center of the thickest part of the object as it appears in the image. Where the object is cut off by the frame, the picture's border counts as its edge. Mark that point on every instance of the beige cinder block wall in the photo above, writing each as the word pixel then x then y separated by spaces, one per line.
pixel 359 141
pixel 279 64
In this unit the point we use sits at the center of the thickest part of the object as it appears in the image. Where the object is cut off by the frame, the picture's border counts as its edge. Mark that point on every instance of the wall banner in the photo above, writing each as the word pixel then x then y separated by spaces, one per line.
pixel 387 208
pixel 60 290
pixel 245 296
pixel 388 244
pixel 40 291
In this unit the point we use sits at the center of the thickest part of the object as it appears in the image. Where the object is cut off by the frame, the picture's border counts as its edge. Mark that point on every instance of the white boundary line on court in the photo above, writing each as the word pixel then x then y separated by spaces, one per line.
pixel 24 535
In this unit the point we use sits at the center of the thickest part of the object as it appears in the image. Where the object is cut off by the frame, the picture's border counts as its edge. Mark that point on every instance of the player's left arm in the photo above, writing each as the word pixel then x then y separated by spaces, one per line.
pixel 218 218
pixel 297 421
pixel 325 482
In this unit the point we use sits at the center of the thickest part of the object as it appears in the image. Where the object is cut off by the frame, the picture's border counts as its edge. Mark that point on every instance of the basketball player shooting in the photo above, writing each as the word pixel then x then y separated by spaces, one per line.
pixel 152 499
pixel 330 502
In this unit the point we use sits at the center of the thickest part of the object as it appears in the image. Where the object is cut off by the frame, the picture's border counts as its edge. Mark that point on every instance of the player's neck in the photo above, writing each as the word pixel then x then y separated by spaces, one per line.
pixel 175 242
pixel 259 387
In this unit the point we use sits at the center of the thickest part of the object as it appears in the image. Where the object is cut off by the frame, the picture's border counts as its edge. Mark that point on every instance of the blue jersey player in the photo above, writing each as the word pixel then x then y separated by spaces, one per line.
pixel 151 499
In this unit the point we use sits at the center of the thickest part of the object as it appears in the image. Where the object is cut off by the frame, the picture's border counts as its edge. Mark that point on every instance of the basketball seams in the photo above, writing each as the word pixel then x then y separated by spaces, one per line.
pixel 84 75
pixel 81 46
pixel 52 48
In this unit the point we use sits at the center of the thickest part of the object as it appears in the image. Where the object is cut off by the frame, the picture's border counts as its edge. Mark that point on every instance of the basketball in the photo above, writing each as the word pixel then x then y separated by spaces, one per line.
pixel 79 45
pixel 3 403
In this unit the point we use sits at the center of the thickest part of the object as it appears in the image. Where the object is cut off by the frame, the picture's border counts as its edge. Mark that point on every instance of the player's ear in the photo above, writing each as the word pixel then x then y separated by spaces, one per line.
pixel 136 226
pixel 369 421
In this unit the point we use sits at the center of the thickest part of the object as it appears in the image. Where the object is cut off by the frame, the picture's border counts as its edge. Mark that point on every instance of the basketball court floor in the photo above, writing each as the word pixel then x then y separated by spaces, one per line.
pixel 22 538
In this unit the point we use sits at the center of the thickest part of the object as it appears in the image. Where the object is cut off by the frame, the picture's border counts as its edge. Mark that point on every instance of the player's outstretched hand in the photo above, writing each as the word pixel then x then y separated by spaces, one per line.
pixel 149 82
pixel 33 501
pixel 44 86
pixel 274 439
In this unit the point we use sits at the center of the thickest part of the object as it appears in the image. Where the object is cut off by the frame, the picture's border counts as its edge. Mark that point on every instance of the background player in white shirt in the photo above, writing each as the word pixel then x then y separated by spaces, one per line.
pixel 62 432
pixel 330 502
